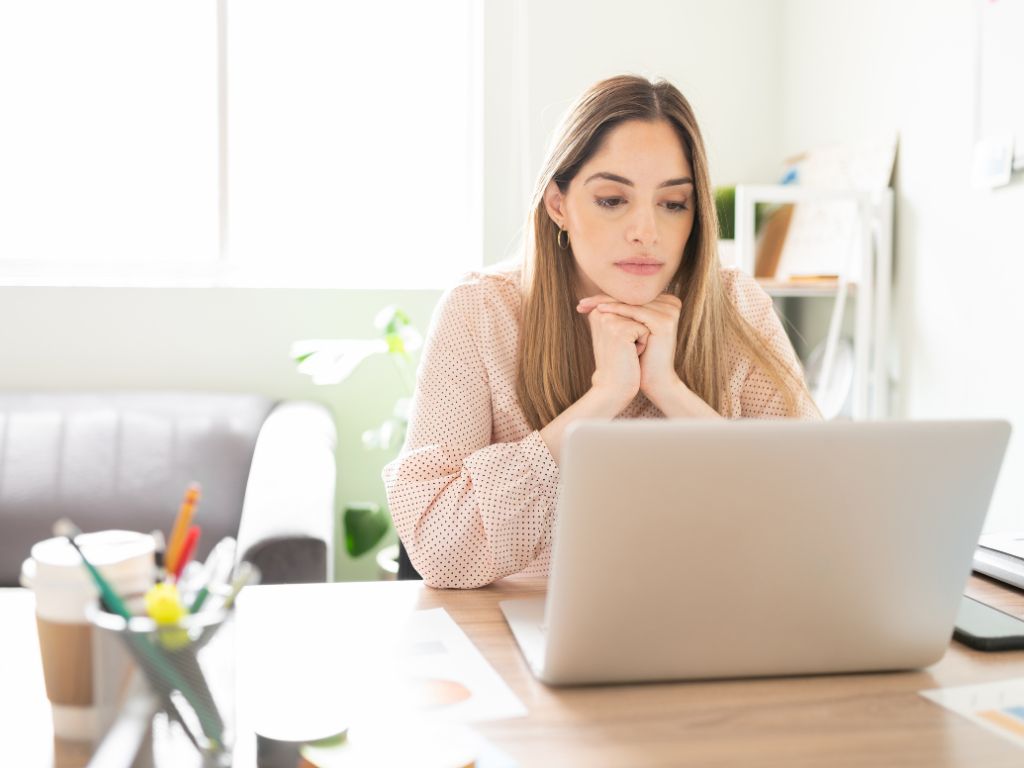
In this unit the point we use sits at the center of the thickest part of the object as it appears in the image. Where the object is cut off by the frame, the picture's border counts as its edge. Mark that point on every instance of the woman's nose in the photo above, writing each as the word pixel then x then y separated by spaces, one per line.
pixel 642 226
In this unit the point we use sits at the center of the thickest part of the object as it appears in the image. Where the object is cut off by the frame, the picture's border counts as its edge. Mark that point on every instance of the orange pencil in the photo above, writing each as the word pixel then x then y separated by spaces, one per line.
pixel 181 524
pixel 188 549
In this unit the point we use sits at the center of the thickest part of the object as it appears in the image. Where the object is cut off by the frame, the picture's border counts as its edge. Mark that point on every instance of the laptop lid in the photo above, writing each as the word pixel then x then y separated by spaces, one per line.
pixel 732 549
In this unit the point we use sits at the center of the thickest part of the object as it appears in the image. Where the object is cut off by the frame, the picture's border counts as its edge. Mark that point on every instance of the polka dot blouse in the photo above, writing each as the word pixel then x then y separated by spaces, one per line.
pixel 472 494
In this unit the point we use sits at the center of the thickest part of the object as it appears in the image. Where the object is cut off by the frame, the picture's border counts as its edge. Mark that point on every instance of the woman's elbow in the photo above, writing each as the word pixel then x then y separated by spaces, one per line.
pixel 449 570
pixel 445 581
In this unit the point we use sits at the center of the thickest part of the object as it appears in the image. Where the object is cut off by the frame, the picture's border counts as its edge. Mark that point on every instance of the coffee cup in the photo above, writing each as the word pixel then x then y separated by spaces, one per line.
pixel 63 590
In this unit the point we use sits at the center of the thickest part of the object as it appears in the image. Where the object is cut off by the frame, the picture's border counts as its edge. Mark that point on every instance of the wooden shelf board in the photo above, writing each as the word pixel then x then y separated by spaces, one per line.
pixel 802 287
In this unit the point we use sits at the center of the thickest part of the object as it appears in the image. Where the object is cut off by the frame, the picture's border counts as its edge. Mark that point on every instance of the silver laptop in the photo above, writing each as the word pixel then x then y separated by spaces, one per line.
pixel 688 550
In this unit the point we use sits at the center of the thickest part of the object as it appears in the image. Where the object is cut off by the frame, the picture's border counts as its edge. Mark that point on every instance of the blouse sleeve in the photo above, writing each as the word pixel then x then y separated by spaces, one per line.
pixel 469 512
pixel 760 398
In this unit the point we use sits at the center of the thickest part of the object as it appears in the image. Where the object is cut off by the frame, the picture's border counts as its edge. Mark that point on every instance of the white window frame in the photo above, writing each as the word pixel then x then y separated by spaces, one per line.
pixel 221 272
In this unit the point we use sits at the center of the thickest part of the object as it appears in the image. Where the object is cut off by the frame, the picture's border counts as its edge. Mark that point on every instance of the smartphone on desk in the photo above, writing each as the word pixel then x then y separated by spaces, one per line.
pixel 986 628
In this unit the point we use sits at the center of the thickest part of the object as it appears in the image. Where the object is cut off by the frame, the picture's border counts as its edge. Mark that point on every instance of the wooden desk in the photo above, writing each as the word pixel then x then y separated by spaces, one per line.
pixel 846 720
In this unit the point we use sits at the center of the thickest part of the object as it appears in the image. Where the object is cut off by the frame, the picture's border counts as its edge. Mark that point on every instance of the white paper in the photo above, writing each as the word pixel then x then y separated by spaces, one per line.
pixel 304 674
pixel 436 650
pixel 997 707
pixel 992 165
pixel 1000 86
pixel 1008 542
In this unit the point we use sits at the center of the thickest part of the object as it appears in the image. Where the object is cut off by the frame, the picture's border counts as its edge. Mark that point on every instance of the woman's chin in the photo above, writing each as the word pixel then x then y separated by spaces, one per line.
pixel 635 295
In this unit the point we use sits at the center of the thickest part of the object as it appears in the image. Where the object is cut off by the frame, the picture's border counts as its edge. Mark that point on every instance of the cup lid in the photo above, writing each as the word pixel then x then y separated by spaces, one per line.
pixel 116 552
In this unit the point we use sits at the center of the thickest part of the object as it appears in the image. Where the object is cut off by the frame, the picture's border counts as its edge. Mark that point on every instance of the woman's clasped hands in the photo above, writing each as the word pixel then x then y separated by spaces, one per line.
pixel 634 345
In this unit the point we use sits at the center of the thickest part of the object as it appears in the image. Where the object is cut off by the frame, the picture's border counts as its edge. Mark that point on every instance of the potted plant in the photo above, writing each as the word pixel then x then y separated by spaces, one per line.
pixel 332 361
pixel 764 213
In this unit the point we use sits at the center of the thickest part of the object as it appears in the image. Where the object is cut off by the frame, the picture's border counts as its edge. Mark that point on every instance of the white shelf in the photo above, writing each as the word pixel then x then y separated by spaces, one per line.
pixel 787 289
pixel 873 268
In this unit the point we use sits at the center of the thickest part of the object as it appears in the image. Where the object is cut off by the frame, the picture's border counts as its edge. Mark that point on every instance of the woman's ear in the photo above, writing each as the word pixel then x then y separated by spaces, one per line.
pixel 554 202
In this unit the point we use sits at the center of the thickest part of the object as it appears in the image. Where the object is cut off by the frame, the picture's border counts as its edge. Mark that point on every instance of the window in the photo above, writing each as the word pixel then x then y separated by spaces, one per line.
pixel 301 143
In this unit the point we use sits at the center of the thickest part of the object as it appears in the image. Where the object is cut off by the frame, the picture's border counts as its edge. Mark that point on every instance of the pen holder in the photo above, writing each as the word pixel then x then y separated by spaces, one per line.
pixel 190 672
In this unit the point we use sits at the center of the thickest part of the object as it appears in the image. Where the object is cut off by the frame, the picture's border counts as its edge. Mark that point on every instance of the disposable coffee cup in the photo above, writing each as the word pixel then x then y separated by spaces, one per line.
pixel 63 590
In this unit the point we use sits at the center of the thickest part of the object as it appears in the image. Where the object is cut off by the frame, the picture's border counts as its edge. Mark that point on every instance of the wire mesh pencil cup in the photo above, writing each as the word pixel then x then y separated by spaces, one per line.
pixel 171 658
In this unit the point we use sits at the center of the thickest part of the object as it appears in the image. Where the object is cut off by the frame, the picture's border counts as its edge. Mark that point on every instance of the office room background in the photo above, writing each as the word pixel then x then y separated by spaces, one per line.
pixel 767 78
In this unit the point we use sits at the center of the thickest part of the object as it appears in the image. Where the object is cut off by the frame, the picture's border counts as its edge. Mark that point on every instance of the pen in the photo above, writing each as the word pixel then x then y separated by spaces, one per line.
pixel 215 570
pixel 181 524
pixel 111 599
pixel 188 548
pixel 159 550
pixel 247 574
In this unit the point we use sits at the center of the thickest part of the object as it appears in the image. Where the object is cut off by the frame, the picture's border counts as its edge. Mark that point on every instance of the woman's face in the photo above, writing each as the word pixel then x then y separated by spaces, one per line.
pixel 628 212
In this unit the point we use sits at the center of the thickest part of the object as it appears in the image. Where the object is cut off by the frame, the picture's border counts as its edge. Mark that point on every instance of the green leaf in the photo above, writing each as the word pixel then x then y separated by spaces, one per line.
pixel 725 204
pixel 396 344
pixel 365 525
pixel 390 319
pixel 304 358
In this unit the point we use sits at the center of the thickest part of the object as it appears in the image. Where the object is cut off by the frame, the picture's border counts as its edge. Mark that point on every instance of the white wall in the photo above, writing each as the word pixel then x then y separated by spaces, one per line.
pixel 851 69
pixel 724 56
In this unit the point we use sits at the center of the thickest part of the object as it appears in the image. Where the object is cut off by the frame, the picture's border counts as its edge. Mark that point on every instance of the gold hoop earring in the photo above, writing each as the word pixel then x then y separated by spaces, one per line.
pixel 559 239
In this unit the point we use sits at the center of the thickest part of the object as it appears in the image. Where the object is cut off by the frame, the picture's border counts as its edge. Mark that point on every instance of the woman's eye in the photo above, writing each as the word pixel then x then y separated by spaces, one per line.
pixel 615 202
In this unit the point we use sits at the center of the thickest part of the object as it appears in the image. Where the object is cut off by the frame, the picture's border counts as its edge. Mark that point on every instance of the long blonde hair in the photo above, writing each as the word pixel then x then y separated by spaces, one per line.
pixel 556 358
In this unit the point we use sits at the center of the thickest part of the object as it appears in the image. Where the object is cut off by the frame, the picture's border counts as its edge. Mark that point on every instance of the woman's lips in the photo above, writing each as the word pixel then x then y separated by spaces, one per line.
pixel 639 268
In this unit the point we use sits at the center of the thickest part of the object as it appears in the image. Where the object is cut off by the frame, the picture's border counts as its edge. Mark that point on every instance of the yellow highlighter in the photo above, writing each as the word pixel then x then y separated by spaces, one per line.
pixel 163 605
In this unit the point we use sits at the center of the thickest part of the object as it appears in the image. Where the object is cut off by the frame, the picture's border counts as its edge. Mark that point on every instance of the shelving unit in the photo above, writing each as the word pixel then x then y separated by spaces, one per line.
pixel 871 292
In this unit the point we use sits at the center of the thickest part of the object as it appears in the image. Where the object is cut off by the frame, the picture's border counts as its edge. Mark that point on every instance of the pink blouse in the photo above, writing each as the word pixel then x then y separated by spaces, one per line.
pixel 472 494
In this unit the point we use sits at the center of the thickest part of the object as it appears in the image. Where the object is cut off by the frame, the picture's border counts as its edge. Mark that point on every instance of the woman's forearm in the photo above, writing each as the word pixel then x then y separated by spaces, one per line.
pixel 595 404
pixel 677 401
pixel 468 522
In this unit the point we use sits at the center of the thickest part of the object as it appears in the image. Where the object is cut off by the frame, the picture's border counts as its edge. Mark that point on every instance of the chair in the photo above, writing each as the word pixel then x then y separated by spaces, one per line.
pixel 406 571
pixel 122 459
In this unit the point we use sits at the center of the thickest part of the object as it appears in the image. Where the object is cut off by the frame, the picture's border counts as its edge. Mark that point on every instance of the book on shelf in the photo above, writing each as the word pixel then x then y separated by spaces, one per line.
pixel 813 279
pixel 771 240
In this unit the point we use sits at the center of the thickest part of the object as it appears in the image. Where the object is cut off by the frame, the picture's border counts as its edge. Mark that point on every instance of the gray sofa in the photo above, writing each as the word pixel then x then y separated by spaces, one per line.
pixel 117 459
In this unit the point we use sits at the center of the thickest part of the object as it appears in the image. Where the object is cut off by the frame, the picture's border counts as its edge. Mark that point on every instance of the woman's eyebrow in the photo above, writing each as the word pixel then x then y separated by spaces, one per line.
pixel 628 183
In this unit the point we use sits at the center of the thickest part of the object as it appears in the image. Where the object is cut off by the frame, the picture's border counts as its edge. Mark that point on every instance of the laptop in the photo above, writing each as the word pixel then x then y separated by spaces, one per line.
pixel 691 550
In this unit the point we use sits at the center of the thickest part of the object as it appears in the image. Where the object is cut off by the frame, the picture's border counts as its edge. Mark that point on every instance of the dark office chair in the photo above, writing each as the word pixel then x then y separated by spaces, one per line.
pixel 405 570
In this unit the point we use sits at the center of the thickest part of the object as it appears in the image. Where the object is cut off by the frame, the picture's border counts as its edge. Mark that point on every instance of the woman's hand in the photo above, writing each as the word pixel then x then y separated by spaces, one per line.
pixel 619 342
pixel 657 352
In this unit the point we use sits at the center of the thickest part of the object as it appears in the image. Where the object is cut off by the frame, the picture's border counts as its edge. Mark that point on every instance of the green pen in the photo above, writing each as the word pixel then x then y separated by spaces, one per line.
pixel 70 531
pixel 201 595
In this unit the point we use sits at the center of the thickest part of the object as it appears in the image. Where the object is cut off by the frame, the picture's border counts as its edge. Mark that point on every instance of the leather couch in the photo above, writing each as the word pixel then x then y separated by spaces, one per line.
pixel 122 459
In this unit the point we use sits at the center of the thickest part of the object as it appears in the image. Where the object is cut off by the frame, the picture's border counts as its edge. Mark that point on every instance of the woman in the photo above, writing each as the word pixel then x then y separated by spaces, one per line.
pixel 619 309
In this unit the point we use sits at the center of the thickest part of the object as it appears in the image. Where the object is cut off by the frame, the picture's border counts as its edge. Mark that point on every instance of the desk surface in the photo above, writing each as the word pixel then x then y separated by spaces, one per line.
pixel 846 720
